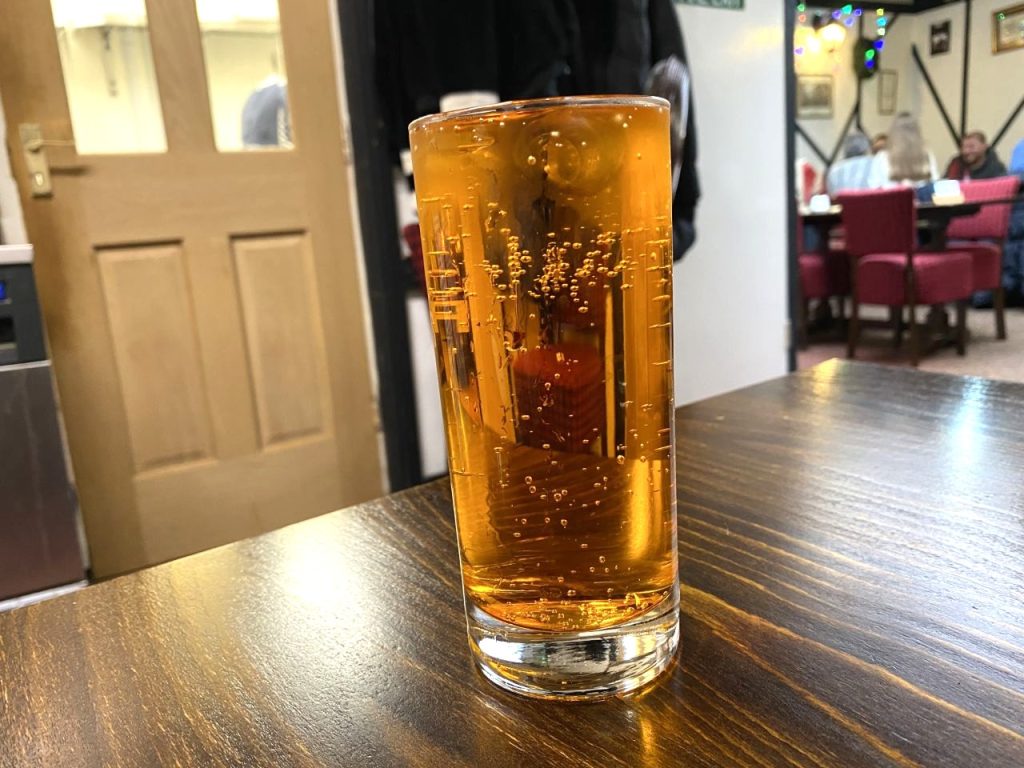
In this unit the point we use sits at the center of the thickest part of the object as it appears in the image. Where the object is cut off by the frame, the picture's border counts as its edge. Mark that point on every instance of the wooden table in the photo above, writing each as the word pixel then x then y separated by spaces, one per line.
pixel 852 550
pixel 932 218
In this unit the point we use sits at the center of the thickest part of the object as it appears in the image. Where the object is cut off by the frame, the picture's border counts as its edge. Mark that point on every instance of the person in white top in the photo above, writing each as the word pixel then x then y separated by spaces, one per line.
pixel 905 161
pixel 854 170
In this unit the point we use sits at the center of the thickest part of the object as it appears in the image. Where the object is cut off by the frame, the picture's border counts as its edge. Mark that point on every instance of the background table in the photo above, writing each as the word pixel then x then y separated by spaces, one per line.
pixel 932 218
pixel 852 551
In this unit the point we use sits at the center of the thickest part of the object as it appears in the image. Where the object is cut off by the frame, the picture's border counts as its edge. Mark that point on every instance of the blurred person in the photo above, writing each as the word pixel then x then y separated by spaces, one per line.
pixel 1013 249
pixel 977 160
pixel 1017 159
pixel 905 161
pixel 853 170
pixel 879 143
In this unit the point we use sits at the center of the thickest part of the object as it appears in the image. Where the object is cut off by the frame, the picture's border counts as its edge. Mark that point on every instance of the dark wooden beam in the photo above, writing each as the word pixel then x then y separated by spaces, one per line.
pixel 811 143
pixel 935 95
pixel 1009 122
pixel 854 114
pixel 966 67
pixel 792 222
pixel 860 92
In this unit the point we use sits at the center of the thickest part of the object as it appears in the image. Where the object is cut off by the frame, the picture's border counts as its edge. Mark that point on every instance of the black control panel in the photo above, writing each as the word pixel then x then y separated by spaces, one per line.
pixel 21 324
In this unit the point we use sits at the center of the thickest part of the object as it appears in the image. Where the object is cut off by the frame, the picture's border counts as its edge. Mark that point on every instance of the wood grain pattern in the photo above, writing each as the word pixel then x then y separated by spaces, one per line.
pixel 153 331
pixel 852 552
pixel 284 334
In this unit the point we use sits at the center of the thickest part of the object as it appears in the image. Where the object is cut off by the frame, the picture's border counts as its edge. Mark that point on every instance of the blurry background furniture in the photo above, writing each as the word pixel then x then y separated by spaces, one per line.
pixel 983 236
pixel 824 273
pixel 887 269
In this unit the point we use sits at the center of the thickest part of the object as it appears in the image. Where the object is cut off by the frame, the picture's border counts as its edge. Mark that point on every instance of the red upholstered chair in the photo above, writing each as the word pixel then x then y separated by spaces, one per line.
pixel 822 276
pixel 886 269
pixel 982 235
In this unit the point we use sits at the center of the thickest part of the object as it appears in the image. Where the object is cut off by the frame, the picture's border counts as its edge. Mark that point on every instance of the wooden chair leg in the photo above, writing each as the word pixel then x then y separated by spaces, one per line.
pixel 999 305
pixel 801 322
pixel 961 328
pixel 853 328
pixel 896 318
pixel 915 334
pixel 910 292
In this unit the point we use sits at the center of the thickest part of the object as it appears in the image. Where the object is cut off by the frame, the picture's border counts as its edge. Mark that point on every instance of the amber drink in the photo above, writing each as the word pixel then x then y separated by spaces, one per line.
pixel 546 231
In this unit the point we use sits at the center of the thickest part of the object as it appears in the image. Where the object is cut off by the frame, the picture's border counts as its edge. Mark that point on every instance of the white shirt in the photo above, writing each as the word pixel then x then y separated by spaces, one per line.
pixel 851 173
pixel 879 176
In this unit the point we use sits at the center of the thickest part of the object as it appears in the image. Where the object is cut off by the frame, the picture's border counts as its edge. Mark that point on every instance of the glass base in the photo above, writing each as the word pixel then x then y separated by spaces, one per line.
pixel 575 665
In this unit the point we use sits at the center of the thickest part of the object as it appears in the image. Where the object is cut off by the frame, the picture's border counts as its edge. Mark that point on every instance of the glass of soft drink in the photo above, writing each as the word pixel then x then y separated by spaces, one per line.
pixel 546 229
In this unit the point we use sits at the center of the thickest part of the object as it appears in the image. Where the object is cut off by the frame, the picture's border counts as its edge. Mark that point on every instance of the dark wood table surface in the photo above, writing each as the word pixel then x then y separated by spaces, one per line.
pixel 852 553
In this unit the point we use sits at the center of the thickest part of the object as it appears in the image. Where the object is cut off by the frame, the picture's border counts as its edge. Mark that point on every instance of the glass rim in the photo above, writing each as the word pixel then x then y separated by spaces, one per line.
pixel 528 105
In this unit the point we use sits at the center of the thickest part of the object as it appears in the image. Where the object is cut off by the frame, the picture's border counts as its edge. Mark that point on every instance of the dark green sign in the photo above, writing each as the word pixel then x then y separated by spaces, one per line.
pixel 729 5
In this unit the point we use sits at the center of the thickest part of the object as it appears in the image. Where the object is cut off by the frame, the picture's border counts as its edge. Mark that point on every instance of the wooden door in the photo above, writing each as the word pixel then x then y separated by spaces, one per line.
pixel 203 306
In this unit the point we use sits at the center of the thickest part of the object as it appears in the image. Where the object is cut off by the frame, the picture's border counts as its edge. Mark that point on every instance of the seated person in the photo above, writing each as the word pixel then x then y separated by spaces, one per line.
pixel 853 171
pixel 1013 250
pixel 905 161
pixel 977 160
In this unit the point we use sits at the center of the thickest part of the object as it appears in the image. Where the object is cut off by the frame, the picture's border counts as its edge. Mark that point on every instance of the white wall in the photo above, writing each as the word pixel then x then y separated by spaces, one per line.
pixel 112 92
pixel 115 105
pixel 12 223
pixel 730 291
pixel 995 85
pixel 895 57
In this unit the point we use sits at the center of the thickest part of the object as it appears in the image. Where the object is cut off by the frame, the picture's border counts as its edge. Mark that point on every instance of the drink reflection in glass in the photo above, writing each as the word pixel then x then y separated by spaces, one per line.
pixel 546 231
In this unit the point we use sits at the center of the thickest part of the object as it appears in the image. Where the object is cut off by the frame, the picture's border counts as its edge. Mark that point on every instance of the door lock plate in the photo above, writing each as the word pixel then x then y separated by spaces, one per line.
pixel 33 147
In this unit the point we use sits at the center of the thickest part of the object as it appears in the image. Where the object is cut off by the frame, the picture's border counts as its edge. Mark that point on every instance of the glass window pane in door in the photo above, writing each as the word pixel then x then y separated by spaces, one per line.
pixel 108 75
pixel 245 74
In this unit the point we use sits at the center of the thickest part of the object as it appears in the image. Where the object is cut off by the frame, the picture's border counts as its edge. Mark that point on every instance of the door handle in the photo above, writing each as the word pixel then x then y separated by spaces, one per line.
pixel 33 148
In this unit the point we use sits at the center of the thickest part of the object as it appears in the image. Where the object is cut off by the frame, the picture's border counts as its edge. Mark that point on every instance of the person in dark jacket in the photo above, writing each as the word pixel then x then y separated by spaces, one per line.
pixel 1013 249
pixel 977 160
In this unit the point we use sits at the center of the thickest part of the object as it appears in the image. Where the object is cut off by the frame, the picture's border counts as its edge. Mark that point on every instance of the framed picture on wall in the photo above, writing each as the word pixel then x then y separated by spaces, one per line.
pixel 814 96
pixel 1008 29
pixel 940 37
pixel 888 79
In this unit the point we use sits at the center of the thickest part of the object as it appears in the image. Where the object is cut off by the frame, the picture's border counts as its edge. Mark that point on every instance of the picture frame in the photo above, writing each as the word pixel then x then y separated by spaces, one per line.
pixel 888 81
pixel 1008 29
pixel 814 96
pixel 940 36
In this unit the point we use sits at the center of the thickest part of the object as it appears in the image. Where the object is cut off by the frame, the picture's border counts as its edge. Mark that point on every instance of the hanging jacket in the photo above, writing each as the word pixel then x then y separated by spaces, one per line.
pixel 991 168
pixel 426 49
pixel 527 49
pixel 620 41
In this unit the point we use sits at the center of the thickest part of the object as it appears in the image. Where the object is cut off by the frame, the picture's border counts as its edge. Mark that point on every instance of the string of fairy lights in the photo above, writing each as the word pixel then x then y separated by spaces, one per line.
pixel 823 29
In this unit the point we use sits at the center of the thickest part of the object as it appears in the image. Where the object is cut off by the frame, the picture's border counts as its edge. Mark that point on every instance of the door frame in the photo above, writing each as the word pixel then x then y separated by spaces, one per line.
pixel 382 257
pixel 792 220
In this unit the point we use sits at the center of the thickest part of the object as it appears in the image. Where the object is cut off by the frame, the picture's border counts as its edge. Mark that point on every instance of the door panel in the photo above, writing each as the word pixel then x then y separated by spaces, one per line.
pixel 153 330
pixel 283 330
pixel 204 308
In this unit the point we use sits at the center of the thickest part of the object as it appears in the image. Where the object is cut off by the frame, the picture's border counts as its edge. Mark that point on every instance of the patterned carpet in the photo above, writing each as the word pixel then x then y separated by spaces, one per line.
pixel 986 356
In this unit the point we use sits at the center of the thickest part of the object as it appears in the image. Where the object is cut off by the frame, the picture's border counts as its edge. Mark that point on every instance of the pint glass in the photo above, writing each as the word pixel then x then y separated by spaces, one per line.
pixel 546 230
